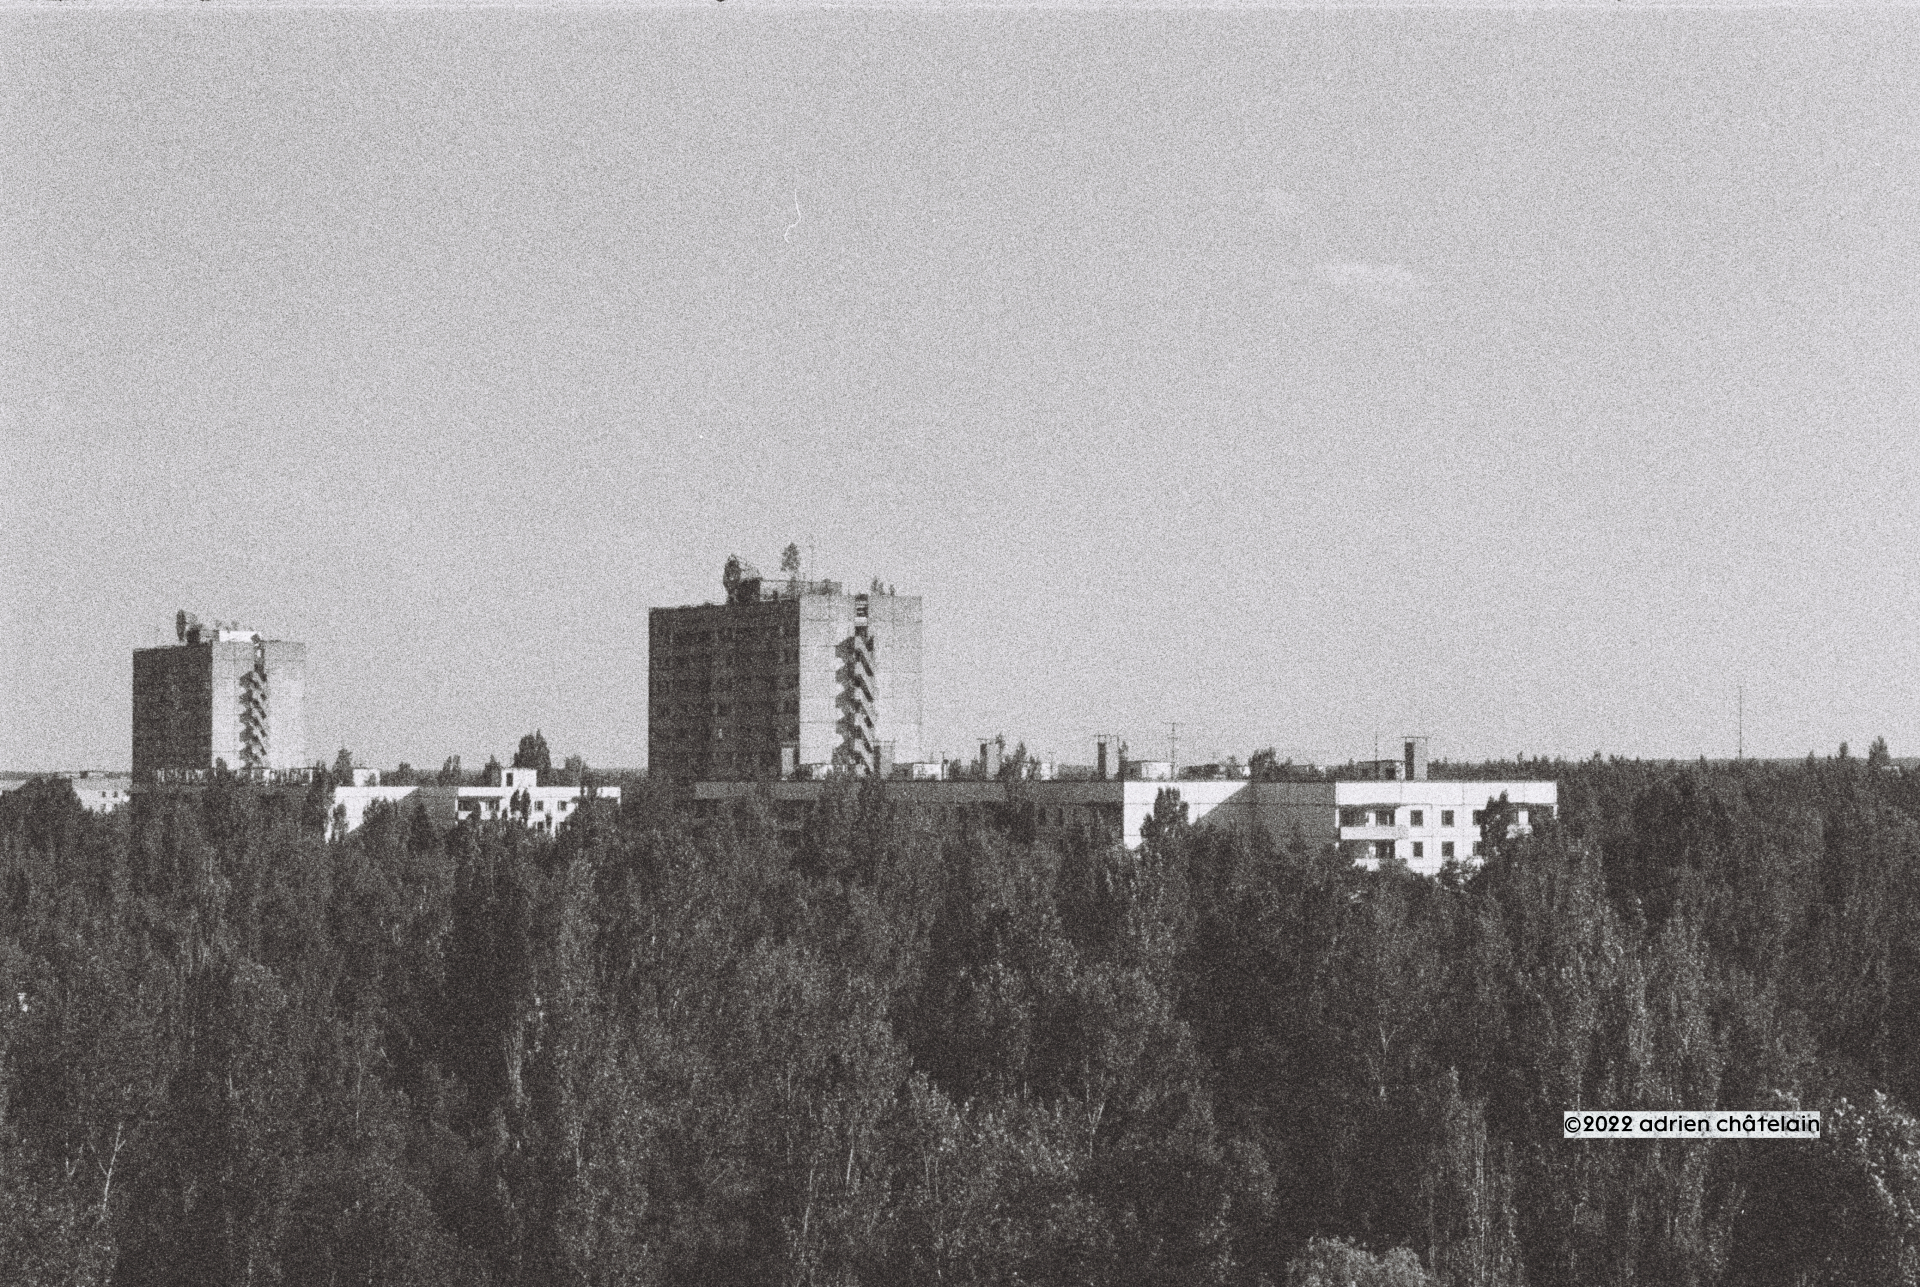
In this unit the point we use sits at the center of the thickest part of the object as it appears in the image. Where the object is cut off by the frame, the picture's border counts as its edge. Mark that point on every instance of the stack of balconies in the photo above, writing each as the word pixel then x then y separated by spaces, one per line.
pixel 860 744
pixel 253 711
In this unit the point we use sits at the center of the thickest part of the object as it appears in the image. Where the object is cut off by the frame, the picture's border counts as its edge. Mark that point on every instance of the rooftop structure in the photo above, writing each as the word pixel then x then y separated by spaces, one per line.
pixel 221 695
pixel 787 678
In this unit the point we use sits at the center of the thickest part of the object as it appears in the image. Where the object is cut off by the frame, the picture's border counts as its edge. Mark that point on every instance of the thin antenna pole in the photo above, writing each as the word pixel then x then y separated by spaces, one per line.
pixel 1740 743
pixel 1173 744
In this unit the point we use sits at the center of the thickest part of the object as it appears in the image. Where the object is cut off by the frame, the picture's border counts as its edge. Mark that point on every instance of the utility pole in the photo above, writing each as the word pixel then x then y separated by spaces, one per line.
pixel 1173 745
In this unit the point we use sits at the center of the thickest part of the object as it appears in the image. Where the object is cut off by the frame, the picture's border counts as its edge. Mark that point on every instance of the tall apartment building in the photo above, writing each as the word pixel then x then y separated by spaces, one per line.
pixel 786 678
pixel 220 695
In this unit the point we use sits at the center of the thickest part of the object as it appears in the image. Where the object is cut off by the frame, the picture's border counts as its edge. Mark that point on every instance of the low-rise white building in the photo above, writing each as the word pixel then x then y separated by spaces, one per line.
pixel 98 791
pixel 517 797
pixel 1422 823
pixel 1393 812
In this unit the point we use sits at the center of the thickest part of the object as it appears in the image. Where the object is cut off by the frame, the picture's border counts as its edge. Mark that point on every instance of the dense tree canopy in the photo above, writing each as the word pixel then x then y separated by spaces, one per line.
pixel 532 753
pixel 658 1050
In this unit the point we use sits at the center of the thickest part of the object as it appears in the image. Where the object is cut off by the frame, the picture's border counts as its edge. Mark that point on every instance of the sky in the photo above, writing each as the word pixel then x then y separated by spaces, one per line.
pixel 1536 381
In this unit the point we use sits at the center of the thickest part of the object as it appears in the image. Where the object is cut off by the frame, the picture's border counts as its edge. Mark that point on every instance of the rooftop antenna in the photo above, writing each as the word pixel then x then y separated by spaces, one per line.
pixel 1173 744
pixel 1740 742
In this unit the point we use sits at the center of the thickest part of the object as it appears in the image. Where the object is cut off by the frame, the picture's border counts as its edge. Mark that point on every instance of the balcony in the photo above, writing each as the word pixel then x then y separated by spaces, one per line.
pixel 1371 832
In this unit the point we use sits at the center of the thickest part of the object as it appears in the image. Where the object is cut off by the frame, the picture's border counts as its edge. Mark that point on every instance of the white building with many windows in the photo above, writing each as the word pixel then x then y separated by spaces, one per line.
pixel 1392 816
pixel 516 797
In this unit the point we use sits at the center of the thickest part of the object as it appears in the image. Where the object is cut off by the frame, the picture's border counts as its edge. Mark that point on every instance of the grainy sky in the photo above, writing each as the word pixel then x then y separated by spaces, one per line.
pixel 1526 379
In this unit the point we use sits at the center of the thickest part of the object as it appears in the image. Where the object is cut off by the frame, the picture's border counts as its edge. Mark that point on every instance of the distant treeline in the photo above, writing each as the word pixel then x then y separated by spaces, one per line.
pixel 655 1050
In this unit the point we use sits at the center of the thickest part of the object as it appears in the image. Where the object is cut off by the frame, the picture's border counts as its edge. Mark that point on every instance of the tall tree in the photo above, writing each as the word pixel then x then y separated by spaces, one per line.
pixel 532 753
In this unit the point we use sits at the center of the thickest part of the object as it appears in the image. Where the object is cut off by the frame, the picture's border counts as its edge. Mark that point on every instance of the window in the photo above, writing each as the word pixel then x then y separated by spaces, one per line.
pixel 1353 817
pixel 1479 848
pixel 1418 818
pixel 1479 816
pixel 1446 817
pixel 1446 848
pixel 1383 817
pixel 1419 849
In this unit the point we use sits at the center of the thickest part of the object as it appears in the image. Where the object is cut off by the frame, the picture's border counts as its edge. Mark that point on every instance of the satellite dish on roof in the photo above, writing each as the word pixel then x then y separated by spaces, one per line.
pixel 741 580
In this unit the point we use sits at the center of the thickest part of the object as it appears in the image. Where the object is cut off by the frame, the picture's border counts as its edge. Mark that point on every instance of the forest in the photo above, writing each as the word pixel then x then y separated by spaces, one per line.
pixel 655 1049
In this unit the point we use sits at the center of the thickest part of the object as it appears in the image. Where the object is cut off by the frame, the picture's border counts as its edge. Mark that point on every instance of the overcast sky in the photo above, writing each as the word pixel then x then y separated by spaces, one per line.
pixel 1527 380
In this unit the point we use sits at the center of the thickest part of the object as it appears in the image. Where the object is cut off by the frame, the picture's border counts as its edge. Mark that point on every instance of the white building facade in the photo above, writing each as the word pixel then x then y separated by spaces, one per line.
pixel 517 797
pixel 1421 823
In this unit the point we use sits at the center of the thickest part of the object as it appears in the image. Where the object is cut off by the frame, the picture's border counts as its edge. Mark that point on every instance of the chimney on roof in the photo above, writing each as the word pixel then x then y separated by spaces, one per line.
pixel 1414 759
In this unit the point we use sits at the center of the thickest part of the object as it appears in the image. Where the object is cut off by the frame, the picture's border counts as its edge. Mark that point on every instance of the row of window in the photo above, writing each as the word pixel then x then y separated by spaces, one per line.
pixel 473 804
pixel 725 634
pixel 1384 817
pixel 727 686
pixel 722 709
pixel 699 660
pixel 1384 849
pixel 1446 848
pixel 723 733
pixel 767 762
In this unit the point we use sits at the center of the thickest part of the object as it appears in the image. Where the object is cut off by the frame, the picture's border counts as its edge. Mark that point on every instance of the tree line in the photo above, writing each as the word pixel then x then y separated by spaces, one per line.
pixel 656 1048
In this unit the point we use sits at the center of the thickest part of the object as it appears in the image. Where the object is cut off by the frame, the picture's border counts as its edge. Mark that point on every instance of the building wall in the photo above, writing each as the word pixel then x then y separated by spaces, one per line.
pixel 895 622
pixel 825 621
pixel 172 708
pixel 286 705
pixel 723 688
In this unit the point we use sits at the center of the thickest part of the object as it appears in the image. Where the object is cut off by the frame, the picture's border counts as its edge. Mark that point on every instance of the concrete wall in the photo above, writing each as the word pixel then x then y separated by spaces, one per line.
pixel 826 620
pixel 286 704
pixel 894 621
pixel 172 708
pixel 720 681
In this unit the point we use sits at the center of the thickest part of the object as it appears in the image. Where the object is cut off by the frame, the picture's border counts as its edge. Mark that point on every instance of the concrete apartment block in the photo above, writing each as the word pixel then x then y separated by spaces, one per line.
pixel 220 695
pixel 786 678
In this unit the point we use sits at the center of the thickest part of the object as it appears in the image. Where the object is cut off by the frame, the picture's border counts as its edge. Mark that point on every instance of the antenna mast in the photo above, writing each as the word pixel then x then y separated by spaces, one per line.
pixel 1740 742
